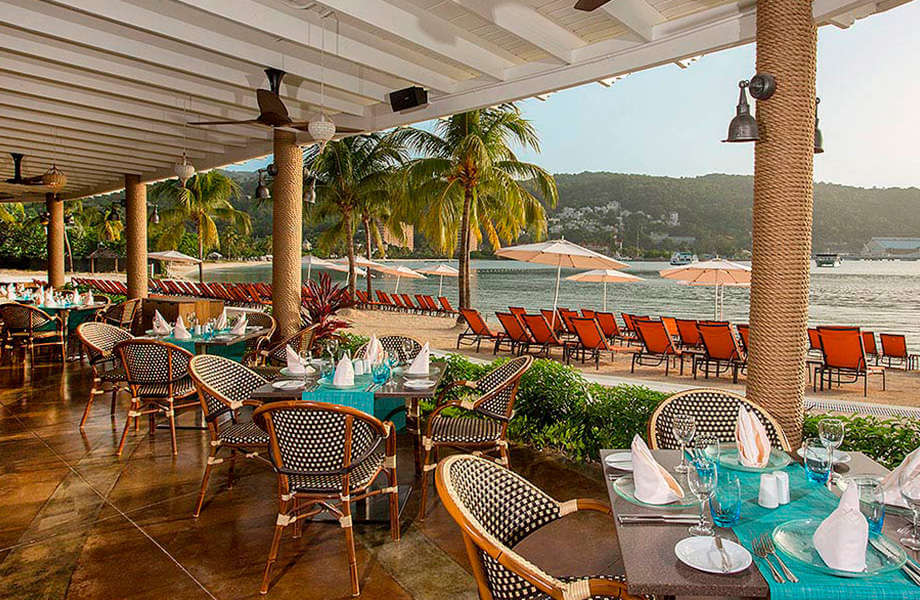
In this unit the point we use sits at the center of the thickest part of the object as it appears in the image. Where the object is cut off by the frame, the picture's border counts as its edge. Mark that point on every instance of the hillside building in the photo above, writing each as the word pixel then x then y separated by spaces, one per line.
pixel 893 247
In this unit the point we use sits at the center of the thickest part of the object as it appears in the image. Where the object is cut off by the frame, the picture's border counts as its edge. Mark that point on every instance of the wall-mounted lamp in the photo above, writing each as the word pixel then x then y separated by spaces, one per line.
pixel 155 217
pixel 743 127
pixel 819 137
pixel 262 191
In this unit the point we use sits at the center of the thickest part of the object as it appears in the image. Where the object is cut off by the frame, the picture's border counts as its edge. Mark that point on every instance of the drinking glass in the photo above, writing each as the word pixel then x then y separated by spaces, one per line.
pixel 327 370
pixel 817 461
pixel 380 372
pixel 702 479
pixel 707 446
pixel 871 500
pixel 910 491
pixel 392 359
pixel 831 433
pixel 684 428
pixel 407 347
pixel 725 503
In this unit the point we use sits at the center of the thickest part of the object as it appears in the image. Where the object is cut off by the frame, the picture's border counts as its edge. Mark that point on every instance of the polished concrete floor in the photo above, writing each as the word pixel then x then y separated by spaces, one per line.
pixel 78 522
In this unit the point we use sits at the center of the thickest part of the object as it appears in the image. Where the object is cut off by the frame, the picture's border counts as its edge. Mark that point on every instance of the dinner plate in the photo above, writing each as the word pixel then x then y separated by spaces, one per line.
pixel 794 538
pixel 728 458
pixel 287 384
pixel 840 457
pixel 417 375
pixel 361 382
pixel 700 552
pixel 841 481
pixel 625 488
pixel 306 372
pixel 419 384
pixel 621 461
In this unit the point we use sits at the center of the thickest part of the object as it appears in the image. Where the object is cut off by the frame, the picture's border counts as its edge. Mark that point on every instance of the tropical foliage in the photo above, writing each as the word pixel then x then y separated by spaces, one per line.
pixel 325 300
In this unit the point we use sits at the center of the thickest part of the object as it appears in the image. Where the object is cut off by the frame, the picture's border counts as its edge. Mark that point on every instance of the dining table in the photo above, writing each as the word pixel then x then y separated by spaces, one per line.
pixel 72 315
pixel 223 343
pixel 652 567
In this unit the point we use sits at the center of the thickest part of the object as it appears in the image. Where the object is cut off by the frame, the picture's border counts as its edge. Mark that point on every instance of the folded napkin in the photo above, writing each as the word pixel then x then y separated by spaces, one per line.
pixel 841 538
pixel 910 464
pixel 38 296
pixel 295 364
pixel 180 332
pixel 654 485
pixel 222 320
pixel 160 326
pixel 420 364
pixel 374 353
pixel 89 297
pixel 75 299
pixel 344 373
pixel 239 328
pixel 753 444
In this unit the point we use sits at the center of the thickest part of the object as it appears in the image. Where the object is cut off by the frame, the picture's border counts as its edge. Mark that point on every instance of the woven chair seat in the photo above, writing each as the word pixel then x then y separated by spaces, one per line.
pixel 113 375
pixel 243 434
pixel 182 388
pixel 465 430
pixel 328 484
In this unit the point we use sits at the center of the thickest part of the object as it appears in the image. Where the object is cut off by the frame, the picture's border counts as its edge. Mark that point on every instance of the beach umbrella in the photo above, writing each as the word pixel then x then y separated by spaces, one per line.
pixel 400 271
pixel 560 253
pixel 173 256
pixel 442 271
pixel 716 272
pixel 320 263
pixel 606 276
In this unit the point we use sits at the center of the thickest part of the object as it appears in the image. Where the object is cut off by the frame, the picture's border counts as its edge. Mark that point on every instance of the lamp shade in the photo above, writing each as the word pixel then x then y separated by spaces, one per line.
pixel 322 131
pixel 54 178
pixel 183 169
pixel 743 127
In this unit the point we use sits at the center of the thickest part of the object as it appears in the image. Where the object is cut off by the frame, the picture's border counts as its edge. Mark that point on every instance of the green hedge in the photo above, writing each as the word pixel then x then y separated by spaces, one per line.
pixel 886 440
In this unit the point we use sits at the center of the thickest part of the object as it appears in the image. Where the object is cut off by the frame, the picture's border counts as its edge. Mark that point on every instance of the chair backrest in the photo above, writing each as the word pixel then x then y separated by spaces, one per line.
pixel 517 311
pixel 869 343
pixel 670 323
pixel 567 316
pixel 397 300
pixel 407 300
pixel 263 320
pixel 222 384
pixel 893 345
pixel 123 313
pixel 476 322
pixel 718 341
pixel 554 319
pixel 654 336
pixel 587 313
pixel 420 300
pixel 301 342
pixel 540 329
pixel 608 323
pixel 149 361
pixel 744 332
pixel 403 347
pixel 317 438
pixel 688 333
pixel 589 334
pixel 814 341
pixel 22 317
pixel 628 322
pixel 716 412
pixel 498 388
pixel 842 348
pixel 100 339
pixel 445 304
pixel 513 327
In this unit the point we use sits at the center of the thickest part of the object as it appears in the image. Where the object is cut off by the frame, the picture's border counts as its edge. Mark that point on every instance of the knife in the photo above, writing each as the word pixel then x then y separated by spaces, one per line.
pixel 726 561
pixel 909 567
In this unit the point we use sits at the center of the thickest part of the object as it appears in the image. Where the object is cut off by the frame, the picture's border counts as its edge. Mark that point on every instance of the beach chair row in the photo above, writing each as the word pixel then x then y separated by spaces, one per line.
pixel 424 304
pixel 239 294
pixel 106 286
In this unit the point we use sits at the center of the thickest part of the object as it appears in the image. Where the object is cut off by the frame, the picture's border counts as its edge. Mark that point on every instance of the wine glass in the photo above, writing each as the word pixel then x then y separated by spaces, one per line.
pixel 831 433
pixel 707 446
pixel 702 479
pixel 407 346
pixel 684 428
pixel 910 490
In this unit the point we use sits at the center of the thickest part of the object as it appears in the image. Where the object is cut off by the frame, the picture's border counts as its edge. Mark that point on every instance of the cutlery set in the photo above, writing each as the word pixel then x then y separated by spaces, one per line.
pixel 910 568
pixel 763 547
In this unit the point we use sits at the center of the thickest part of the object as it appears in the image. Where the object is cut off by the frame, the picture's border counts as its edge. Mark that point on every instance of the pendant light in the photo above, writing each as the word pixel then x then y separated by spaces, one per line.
pixel 262 190
pixel 155 217
pixel 322 130
pixel 743 127
pixel 54 178
pixel 819 137
pixel 183 168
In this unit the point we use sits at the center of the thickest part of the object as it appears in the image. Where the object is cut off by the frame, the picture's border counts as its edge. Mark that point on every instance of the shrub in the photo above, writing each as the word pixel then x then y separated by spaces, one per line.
pixel 326 299
pixel 886 440
pixel 350 342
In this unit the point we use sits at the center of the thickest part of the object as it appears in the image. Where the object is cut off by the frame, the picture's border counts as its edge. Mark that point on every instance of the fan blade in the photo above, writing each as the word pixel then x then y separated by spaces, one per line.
pixel 589 5
pixel 223 122
pixel 271 109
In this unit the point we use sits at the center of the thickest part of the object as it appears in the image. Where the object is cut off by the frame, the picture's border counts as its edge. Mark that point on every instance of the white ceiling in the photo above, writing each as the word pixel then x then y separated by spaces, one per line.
pixel 103 87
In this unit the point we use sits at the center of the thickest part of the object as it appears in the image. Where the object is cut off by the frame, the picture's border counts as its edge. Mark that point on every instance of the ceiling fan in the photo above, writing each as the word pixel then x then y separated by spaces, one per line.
pixel 17 178
pixel 589 5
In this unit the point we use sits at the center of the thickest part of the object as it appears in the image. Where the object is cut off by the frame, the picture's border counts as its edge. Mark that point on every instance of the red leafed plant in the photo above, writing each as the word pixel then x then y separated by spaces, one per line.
pixel 323 302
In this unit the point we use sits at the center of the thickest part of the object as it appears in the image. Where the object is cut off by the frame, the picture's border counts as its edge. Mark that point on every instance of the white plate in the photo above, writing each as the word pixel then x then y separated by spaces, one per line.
pixel 621 461
pixel 700 552
pixel 840 457
pixel 419 383
pixel 287 384
pixel 307 371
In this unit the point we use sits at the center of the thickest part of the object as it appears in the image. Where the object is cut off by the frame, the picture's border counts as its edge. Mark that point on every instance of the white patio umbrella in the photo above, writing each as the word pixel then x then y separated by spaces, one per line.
pixel 173 256
pixel 442 271
pixel 560 253
pixel 320 263
pixel 717 272
pixel 400 271
pixel 606 276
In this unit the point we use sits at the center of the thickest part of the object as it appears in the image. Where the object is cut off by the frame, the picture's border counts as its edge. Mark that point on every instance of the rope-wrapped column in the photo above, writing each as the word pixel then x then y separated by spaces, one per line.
pixel 783 165
pixel 55 208
pixel 136 236
pixel 287 232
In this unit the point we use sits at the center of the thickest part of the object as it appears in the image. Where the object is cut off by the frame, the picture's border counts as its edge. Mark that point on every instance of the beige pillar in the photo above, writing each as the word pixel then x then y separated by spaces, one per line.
pixel 786 48
pixel 287 232
pixel 136 236
pixel 55 207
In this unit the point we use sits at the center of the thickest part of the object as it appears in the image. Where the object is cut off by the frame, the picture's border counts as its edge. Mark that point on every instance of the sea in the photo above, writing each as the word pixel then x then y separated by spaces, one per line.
pixel 880 296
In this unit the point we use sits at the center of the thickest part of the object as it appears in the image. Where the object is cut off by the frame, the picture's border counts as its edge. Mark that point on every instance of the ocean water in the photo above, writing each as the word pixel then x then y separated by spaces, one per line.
pixel 881 296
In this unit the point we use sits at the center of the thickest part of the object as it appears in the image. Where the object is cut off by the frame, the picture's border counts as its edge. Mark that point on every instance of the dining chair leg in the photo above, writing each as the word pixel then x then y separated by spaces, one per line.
pixel 171 415
pixel 424 498
pixel 276 542
pixel 63 350
pixel 89 403
pixel 232 469
pixel 350 547
pixel 212 455
pixel 394 503
pixel 114 399
pixel 135 406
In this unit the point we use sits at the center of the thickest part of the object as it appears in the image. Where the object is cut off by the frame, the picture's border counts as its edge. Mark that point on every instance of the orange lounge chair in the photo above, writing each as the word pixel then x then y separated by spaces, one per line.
pixel 657 346
pixel 476 329
pixel 670 323
pixel 517 337
pixel 869 346
pixel 744 332
pixel 567 316
pixel 542 334
pixel 445 304
pixel 591 340
pixel 588 314
pixel 608 324
pixel 894 348
pixel 518 311
pixel 688 333
pixel 554 319
pixel 844 358
pixel 720 348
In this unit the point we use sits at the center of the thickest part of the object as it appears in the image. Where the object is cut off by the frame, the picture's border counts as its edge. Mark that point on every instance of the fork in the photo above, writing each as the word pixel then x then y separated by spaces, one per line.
pixel 770 548
pixel 761 553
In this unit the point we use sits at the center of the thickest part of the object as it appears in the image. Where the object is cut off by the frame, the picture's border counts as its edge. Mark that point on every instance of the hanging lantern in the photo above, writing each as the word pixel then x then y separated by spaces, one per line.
pixel 184 170
pixel 322 131
pixel 54 178
pixel 819 137
pixel 262 190
pixel 155 217
pixel 743 127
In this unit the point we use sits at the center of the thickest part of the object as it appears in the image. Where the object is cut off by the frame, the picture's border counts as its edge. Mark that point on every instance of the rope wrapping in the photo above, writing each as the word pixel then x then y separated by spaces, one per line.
pixel 55 208
pixel 136 236
pixel 287 232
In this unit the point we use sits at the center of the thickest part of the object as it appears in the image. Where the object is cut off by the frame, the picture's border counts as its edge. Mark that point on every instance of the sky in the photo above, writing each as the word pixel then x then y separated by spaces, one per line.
pixel 670 121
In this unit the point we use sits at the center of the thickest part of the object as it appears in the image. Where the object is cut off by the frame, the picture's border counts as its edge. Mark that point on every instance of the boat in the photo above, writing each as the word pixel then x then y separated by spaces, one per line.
pixel 827 259
pixel 679 259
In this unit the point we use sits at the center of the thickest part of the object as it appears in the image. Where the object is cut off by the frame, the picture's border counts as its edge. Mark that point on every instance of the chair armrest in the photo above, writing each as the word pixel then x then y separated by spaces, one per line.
pixel 591 504
pixel 454 384
pixel 253 403
pixel 608 587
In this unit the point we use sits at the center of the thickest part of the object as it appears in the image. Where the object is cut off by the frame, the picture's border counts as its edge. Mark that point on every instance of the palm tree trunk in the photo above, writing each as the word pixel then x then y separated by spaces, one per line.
pixel 463 281
pixel 69 252
pixel 350 249
pixel 367 234
pixel 200 252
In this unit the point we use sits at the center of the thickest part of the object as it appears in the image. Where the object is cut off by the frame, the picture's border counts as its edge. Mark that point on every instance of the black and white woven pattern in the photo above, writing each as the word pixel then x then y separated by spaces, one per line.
pixel 181 388
pixel 121 314
pixel 301 342
pixel 465 430
pixel 716 413
pixel 19 318
pixel 360 477
pixel 243 434
pixel 503 380
pixel 112 375
pixel 265 321
pixel 99 339
pixel 154 363
pixel 403 347
pixel 222 381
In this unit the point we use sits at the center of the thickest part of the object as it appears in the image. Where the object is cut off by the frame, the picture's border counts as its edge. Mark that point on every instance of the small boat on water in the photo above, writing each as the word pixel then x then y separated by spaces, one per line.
pixel 827 259
pixel 679 259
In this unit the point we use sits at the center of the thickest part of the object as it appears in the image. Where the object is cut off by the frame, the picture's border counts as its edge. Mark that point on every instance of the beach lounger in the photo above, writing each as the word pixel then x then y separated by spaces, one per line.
pixel 518 311
pixel 591 341
pixel 894 348
pixel 554 319
pixel 542 334
pixel 720 349
pixel 744 332
pixel 517 337
pixel 670 323
pixel 844 358
pixel 588 314
pixel 657 346
pixel 869 346
pixel 688 333
pixel 476 329
pixel 445 304
pixel 608 324
pixel 432 306
pixel 407 302
pixel 567 316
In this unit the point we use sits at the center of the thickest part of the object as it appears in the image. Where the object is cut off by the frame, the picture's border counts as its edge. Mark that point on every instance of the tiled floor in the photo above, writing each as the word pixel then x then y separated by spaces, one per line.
pixel 78 522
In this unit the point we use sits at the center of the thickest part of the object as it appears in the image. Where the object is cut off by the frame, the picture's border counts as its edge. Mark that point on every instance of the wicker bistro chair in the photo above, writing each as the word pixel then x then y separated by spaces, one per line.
pixel 716 412
pixel 301 342
pixel 27 328
pixel 255 345
pixel 224 387
pixel 120 315
pixel 157 374
pixel 99 341
pixel 403 347
pixel 483 432
pixel 496 509
pixel 327 456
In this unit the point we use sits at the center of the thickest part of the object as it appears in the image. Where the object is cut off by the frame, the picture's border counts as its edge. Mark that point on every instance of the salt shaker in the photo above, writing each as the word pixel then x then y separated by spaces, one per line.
pixel 769 493
pixel 782 486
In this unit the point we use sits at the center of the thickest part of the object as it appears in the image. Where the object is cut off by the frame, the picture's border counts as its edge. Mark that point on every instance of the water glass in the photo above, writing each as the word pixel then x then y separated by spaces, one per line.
pixel 380 372
pixel 831 432
pixel 909 483
pixel 725 503
pixel 327 369
pixel 707 446
pixel 702 479
pixel 817 461
pixel 871 500
pixel 684 428
pixel 392 359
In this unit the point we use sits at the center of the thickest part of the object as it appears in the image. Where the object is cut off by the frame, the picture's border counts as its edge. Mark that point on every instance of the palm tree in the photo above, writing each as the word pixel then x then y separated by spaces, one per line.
pixel 355 177
pixel 470 183
pixel 204 199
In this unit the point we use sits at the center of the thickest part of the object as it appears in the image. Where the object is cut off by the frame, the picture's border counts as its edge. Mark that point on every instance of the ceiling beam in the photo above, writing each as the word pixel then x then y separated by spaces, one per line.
pixel 638 15
pixel 75 164
pixel 69 150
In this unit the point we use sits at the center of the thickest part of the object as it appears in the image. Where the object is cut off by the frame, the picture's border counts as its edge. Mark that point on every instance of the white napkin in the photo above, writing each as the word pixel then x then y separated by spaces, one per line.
pixel 374 353
pixel 75 299
pixel 89 297
pixel 419 366
pixel 890 487
pixel 344 373
pixel 753 443
pixel 295 365
pixel 39 296
pixel 842 537
pixel 180 332
pixel 222 320
pixel 654 485
pixel 239 328
pixel 160 326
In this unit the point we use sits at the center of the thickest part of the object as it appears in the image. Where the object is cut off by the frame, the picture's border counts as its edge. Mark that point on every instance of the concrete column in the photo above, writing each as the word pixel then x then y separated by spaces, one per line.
pixel 55 207
pixel 287 232
pixel 136 236
pixel 783 176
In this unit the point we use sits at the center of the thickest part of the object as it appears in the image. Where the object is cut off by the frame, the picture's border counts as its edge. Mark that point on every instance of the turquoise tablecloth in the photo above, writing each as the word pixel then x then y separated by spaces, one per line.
pixel 233 351
pixel 362 399
pixel 809 500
